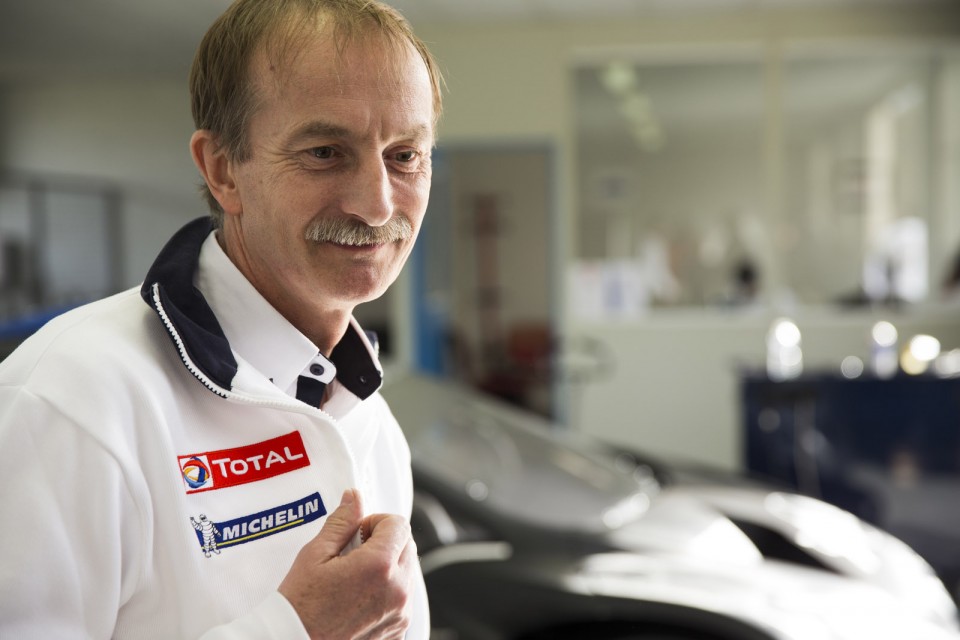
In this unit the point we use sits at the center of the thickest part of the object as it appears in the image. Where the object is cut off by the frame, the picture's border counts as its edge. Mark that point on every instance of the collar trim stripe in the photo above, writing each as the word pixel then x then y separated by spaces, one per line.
pixel 199 338
pixel 184 356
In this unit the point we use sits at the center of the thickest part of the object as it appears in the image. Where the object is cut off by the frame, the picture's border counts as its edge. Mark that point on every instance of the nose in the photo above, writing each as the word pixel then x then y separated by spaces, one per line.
pixel 370 196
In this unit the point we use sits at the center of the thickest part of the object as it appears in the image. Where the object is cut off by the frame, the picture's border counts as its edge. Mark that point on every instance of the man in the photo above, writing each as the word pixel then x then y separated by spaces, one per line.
pixel 200 457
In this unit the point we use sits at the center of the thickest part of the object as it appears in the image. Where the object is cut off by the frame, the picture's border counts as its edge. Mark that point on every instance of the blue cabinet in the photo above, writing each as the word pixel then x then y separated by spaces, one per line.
pixel 887 450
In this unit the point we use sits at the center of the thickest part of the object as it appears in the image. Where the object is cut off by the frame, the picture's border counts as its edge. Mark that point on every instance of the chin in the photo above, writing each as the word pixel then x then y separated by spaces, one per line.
pixel 360 293
pixel 357 285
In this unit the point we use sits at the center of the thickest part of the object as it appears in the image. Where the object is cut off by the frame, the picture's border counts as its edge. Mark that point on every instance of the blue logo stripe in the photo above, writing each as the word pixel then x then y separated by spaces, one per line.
pixel 266 523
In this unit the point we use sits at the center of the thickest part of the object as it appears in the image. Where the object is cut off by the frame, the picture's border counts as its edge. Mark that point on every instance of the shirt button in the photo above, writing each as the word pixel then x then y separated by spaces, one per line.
pixel 316 370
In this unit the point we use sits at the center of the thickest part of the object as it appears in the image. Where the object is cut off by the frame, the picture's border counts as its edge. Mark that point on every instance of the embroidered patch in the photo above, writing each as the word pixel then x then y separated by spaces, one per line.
pixel 240 465
pixel 214 536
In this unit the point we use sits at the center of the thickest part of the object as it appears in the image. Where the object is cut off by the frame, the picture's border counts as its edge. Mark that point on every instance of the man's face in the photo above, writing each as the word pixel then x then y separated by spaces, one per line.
pixel 334 139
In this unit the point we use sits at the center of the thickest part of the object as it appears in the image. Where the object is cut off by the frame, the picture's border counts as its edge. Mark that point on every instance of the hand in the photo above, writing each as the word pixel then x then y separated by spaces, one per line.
pixel 365 594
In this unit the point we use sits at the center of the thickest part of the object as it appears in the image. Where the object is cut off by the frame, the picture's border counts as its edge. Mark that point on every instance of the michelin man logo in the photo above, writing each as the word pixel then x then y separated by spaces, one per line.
pixel 208 532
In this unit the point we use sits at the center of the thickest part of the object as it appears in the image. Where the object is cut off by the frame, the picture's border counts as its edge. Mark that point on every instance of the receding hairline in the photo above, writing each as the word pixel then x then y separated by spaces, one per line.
pixel 287 39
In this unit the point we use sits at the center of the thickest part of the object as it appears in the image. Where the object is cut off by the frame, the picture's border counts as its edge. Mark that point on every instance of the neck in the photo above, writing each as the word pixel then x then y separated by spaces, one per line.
pixel 322 325
pixel 325 330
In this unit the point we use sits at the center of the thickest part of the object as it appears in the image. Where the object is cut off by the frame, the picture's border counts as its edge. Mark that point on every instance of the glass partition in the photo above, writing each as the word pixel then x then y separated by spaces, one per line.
pixel 670 157
pixel 769 177
pixel 860 176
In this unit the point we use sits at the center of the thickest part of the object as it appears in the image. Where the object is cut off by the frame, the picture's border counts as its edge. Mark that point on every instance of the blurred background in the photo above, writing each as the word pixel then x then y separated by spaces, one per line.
pixel 689 226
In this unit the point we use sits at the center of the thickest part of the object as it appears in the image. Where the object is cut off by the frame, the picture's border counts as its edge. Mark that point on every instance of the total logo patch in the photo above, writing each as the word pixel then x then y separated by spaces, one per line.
pixel 231 467
pixel 214 536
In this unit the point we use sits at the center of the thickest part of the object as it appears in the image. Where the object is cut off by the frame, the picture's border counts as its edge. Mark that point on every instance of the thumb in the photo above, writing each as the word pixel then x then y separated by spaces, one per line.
pixel 341 525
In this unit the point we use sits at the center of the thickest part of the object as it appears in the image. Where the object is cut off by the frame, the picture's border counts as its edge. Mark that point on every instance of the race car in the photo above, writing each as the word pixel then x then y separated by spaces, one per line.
pixel 529 531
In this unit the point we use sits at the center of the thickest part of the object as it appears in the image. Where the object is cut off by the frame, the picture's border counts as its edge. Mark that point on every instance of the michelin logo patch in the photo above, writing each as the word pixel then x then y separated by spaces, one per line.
pixel 214 536
pixel 240 465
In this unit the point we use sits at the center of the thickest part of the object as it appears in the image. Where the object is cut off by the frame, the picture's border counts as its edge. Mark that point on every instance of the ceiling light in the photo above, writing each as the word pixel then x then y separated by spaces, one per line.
pixel 618 78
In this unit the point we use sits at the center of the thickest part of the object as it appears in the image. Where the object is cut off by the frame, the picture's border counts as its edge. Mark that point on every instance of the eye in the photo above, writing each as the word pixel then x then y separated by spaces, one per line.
pixel 405 156
pixel 406 160
pixel 323 153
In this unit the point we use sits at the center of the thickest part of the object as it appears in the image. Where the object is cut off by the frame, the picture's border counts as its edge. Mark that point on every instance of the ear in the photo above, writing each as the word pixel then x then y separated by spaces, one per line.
pixel 217 170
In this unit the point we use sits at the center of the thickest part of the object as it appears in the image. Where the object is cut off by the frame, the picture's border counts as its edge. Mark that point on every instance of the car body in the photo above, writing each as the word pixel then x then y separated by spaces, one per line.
pixel 528 531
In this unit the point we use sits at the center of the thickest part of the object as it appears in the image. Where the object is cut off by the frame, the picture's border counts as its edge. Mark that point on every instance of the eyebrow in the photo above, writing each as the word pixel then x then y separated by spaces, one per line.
pixel 322 129
pixel 319 129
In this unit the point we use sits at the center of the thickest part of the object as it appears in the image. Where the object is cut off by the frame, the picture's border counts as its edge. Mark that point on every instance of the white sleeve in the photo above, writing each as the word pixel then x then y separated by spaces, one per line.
pixel 420 624
pixel 273 619
pixel 276 619
pixel 67 515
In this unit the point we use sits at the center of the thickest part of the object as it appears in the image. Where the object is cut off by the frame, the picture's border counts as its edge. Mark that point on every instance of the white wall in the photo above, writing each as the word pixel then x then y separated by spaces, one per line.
pixel 131 133
pixel 947 152
pixel 675 389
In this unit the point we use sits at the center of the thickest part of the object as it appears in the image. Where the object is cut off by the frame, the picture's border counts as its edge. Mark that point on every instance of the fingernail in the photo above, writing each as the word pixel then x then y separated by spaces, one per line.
pixel 348 498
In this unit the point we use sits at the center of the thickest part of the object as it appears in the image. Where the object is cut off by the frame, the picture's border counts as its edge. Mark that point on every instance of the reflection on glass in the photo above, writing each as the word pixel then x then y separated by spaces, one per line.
pixel 784 355
pixel 808 175
pixel 670 201
pixel 919 353
pixel 947 365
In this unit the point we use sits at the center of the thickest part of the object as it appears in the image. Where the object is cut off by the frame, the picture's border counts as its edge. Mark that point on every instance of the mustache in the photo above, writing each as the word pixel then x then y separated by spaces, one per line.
pixel 353 232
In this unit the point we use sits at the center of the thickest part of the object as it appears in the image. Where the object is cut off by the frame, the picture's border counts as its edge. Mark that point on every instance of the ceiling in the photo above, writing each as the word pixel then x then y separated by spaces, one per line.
pixel 54 37
pixel 572 10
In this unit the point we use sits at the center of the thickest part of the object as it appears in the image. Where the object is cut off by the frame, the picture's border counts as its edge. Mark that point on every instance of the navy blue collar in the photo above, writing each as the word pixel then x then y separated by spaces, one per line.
pixel 196 332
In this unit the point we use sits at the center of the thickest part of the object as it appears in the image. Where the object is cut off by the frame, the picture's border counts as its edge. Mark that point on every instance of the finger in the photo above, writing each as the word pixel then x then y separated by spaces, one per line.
pixel 409 565
pixel 368 524
pixel 386 533
pixel 409 556
pixel 341 525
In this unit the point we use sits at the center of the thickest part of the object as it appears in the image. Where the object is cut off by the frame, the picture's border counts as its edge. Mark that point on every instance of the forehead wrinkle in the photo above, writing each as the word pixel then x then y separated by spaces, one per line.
pixel 275 60
pixel 293 64
pixel 387 83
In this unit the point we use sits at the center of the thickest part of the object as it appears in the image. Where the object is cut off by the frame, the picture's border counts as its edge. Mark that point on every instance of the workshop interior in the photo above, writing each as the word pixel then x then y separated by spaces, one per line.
pixel 677 352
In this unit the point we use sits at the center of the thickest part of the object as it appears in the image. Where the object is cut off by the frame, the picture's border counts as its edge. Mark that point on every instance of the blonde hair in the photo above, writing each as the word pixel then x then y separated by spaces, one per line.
pixel 223 96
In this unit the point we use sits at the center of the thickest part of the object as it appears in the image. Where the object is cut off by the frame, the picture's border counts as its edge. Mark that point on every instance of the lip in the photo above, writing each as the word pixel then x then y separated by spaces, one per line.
pixel 354 248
